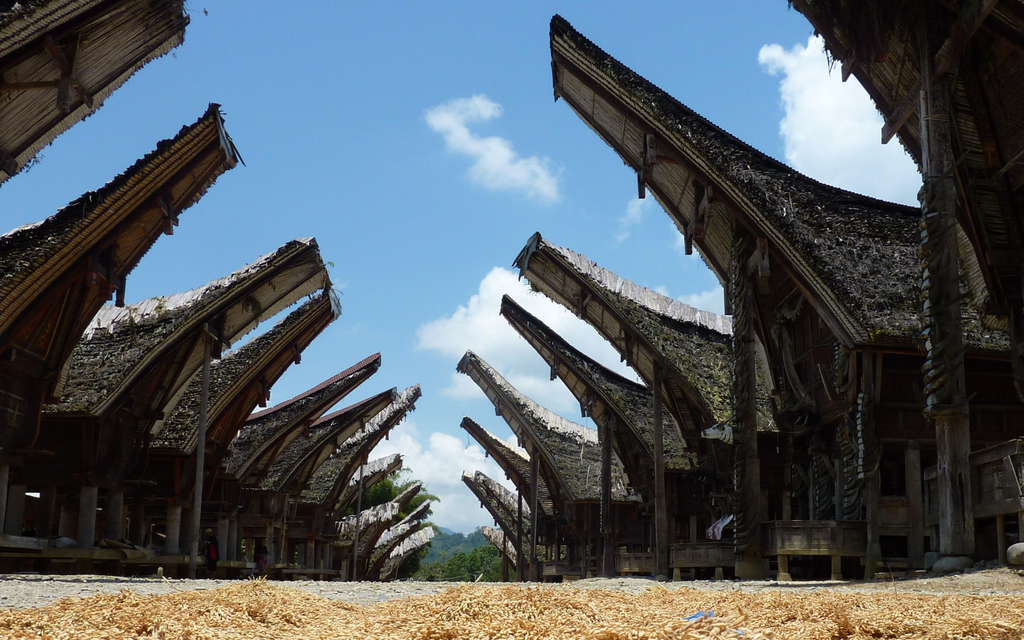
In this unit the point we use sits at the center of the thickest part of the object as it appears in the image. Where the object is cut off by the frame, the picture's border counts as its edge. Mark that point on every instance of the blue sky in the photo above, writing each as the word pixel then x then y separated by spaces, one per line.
pixel 419 143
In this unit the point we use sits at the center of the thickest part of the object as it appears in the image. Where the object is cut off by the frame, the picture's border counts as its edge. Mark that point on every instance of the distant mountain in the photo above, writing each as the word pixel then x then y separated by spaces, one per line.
pixel 446 531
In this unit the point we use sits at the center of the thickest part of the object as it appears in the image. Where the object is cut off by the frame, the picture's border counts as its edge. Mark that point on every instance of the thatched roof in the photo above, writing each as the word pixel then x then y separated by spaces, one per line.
pixel 691 347
pixel 515 462
pixel 296 463
pixel 502 543
pixel 393 537
pixel 570 452
pixel 267 432
pixel 401 553
pixel 372 472
pixel 369 521
pixel 330 478
pixel 604 393
pixel 100 237
pixel 502 504
pixel 99 44
pixel 979 47
pixel 858 255
pixel 234 379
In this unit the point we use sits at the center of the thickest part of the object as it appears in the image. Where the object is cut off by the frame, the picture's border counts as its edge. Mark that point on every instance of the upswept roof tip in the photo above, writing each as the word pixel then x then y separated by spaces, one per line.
pixel 372 361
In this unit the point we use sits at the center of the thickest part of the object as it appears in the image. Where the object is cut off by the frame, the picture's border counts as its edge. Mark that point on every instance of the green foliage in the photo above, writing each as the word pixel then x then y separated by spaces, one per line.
pixel 457 557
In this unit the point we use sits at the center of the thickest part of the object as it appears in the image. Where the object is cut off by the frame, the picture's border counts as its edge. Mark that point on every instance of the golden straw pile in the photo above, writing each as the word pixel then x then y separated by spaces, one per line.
pixel 262 610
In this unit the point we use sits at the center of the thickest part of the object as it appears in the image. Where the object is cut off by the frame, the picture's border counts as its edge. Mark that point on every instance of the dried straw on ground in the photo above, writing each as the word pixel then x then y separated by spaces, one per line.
pixel 259 609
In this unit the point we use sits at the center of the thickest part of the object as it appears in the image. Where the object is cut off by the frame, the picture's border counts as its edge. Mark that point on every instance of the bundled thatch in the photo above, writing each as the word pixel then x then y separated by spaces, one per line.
pixel 570 452
pixel 233 376
pixel 503 544
pixel 279 425
pixel 371 473
pixel 514 461
pixel 629 402
pixel 122 344
pixel 368 521
pixel 394 537
pixel 416 541
pixel 329 480
pixel 502 504
pixel 34 256
pixel 102 43
pixel 857 254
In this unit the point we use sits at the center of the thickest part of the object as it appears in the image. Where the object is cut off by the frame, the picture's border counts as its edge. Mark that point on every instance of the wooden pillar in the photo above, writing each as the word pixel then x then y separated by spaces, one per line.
pixel 947 401
pixel 749 564
pixel 504 567
pixel 67 525
pixel 223 538
pixel 114 512
pixel 5 476
pixel 47 508
pixel 660 503
pixel 520 556
pixel 784 574
pixel 87 499
pixel 233 540
pixel 272 545
pixel 139 525
pixel 915 501
pixel 15 518
pixel 172 534
pixel 872 489
pixel 607 544
pixel 534 512
pixel 837 567
pixel 195 530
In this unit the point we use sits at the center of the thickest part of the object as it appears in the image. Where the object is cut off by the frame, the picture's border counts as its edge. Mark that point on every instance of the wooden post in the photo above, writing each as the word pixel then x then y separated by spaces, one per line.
pixel 195 531
pixel 233 540
pixel 915 501
pixel 520 556
pixel 534 511
pixel 87 499
pixel 47 507
pixel 947 401
pixel 139 526
pixel 223 538
pixel 172 539
pixel 5 476
pixel 115 514
pixel 784 574
pixel 67 523
pixel 749 564
pixel 13 523
pixel 607 547
pixel 504 567
pixel 660 504
pixel 872 489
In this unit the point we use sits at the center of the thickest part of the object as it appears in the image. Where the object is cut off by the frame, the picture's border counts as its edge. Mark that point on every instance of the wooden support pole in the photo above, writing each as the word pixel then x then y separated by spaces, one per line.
pixel 608 548
pixel 660 503
pixel 47 509
pixel 947 401
pixel 915 504
pixel 67 524
pixel 233 540
pixel 197 495
pixel 223 535
pixel 520 556
pixel 87 499
pixel 114 512
pixel 15 519
pixel 139 526
pixel 872 488
pixel 534 512
pixel 172 533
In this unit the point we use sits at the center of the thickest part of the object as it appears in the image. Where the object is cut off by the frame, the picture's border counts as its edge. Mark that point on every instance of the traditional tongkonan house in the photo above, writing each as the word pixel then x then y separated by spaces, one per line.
pixel 60 59
pixel 945 78
pixel 624 414
pixel 59 272
pixel 568 456
pixel 509 513
pixel 377 543
pixel 239 382
pixel 416 541
pixel 826 282
pixel 128 372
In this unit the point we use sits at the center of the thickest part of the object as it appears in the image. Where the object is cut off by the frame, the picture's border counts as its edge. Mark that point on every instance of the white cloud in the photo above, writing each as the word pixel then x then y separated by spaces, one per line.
pixel 831 129
pixel 633 216
pixel 712 300
pixel 497 166
pixel 439 466
pixel 478 326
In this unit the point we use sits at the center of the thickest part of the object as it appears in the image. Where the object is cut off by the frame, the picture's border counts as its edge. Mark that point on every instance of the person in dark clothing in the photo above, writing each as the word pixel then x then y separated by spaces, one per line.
pixel 212 550
pixel 260 557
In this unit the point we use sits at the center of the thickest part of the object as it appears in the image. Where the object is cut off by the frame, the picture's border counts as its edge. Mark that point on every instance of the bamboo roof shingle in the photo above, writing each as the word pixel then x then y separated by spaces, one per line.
pixel 327 484
pixel 401 553
pixel 605 395
pixel 267 432
pixel 651 331
pixel 515 462
pixel 502 504
pixel 570 452
pixel 60 59
pixel 498 538
pixel 393 537
pixel 858 255
pixel 129 348
pixel 239 380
